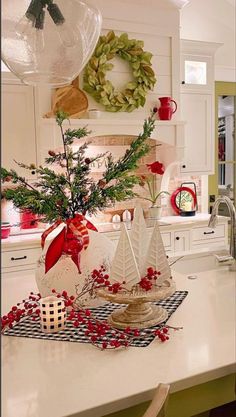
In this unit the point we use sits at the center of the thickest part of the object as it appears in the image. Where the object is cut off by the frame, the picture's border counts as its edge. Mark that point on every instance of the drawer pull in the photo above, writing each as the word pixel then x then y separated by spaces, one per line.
pixel 18 259
pixel 177 238
pixel 209 233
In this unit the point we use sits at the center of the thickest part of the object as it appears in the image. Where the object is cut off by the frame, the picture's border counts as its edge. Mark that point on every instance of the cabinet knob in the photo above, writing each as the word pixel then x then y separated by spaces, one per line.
pixel 177 238
pixel 183 82
pixel 183 166
pixel 33 172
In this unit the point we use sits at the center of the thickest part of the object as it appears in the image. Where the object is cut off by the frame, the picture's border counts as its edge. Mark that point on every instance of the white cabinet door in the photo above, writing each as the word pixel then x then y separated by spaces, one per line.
pixel 196 73
pixel 199 133
pixel 18 127
pixel 181 240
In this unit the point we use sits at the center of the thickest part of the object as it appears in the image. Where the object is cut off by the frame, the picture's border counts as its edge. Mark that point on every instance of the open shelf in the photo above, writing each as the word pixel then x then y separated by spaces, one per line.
pixel 170 132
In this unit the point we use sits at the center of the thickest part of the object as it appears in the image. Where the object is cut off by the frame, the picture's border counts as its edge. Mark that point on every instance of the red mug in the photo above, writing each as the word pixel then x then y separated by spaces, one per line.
pixel 5 230
pixel 166 109
pixel 28 220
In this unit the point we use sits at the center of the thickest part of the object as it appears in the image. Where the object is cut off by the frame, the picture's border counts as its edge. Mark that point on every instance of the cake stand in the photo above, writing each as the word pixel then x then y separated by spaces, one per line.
pixel 140 312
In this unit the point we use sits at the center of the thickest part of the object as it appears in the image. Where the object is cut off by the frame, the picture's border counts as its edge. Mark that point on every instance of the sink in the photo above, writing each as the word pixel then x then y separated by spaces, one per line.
pixel 196 263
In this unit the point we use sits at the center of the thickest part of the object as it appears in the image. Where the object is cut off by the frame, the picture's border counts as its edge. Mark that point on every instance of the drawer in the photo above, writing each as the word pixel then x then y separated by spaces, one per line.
pixel 207 233
pixel 166 238
pixel 20 257
pixel 209 245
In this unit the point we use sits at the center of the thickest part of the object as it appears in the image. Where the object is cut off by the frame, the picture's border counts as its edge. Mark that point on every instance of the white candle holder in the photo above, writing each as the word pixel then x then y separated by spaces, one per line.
pixel 52 314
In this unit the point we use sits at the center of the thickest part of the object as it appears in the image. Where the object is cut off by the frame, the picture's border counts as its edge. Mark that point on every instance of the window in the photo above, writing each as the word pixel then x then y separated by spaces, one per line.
pixel 195 72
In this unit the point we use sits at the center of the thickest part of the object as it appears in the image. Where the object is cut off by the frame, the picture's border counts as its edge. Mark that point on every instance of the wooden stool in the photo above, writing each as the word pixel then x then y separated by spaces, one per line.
pixel 157 408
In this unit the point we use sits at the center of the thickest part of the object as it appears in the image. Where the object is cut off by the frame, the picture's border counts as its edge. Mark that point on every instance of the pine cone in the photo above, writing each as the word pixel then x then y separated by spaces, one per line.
pixel 51 153
pixel 59 203
pixel 8 178
pixel 101 184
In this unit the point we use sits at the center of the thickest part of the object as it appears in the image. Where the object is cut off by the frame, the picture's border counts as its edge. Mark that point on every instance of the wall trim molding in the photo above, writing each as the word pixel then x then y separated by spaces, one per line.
pixel 225 73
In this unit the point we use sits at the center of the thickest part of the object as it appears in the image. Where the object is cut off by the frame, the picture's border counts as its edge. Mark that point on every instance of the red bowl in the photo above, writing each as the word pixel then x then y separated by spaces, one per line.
pixel 5 231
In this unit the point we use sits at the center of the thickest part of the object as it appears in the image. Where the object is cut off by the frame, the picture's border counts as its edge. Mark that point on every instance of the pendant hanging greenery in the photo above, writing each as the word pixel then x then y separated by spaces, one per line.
pixel 102 90
pixel 61 195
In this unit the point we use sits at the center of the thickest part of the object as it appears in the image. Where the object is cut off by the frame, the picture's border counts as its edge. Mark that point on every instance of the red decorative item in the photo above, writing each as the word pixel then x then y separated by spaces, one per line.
pixel 5 230
pixel 71 240
pixel 156 168
pixel 166 109
pixel 174 196
pixel 49 230
pixel 28 220
pixel 55 250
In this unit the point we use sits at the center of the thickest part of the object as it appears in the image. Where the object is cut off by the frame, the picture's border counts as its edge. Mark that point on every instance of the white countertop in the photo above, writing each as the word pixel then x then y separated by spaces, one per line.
pixel 168 222
pixel 59 379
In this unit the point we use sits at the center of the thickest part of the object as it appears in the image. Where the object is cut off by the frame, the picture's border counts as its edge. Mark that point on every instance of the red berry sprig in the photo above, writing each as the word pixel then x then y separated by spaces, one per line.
pixel 149 280
pixel 28 307
pixel 162 334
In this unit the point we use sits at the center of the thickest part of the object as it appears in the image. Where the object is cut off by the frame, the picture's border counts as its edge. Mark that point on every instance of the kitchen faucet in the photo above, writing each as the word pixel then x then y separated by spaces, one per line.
pixel 232 212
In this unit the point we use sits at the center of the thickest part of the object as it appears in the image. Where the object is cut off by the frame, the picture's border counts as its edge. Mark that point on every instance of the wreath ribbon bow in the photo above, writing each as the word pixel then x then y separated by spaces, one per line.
pixel 71 240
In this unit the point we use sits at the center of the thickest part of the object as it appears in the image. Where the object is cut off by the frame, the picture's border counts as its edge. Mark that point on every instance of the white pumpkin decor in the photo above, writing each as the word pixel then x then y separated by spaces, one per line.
pixel 64 274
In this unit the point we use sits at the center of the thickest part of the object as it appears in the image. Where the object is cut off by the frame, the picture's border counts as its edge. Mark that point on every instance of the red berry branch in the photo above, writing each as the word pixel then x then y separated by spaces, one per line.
pixel 99 332
pixel 28 307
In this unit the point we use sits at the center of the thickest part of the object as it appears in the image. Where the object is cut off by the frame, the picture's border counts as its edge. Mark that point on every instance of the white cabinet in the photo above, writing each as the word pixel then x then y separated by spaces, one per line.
pixel 20 259
pixel 181 240
pixel 199 137
pixel 21 254
pixel 206 236
pixel 18 127
pixel 197 106
pixel 196 71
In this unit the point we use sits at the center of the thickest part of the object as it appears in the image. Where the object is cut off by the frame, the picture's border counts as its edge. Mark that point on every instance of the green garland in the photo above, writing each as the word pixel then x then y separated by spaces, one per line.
pixel 102 90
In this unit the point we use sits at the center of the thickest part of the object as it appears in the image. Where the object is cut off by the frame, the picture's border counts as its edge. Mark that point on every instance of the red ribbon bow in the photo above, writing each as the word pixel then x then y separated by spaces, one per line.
pixel 71 240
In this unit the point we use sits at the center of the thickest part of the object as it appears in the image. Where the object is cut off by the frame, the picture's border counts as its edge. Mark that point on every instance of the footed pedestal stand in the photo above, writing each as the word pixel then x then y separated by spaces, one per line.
pixel 140 312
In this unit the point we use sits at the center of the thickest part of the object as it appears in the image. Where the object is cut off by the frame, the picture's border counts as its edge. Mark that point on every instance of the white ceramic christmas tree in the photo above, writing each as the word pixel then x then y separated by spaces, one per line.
pixel 139 238
pixel 140 312
pixel 124 266
pixel 156 256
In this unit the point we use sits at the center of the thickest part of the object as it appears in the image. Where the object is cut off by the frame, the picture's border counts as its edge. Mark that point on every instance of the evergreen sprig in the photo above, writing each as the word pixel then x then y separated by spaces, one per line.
pixel 60 194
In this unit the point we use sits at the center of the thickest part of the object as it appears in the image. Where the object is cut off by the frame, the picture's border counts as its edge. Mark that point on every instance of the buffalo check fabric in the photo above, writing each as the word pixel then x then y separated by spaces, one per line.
pixel 30 328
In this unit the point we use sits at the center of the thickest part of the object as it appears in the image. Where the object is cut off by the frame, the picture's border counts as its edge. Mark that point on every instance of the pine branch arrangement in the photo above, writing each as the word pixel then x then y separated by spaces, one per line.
pixel 61 195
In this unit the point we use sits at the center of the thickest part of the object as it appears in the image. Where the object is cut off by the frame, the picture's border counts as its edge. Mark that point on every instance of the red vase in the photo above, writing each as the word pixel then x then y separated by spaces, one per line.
pixel 28 220
pixel 166 109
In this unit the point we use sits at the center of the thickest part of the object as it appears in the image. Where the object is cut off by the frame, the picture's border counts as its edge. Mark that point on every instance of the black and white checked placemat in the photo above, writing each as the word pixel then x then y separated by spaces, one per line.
pixel 30 328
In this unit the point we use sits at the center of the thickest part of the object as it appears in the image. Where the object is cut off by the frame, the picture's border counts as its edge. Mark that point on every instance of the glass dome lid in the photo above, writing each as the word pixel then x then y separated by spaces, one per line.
pixel 48 43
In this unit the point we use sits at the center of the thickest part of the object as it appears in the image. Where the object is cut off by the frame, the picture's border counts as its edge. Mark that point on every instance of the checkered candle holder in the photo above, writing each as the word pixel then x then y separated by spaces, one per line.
pixel 52 314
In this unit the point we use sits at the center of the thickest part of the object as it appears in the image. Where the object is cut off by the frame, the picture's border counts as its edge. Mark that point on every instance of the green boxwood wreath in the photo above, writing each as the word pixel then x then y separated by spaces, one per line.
pixel 102 90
